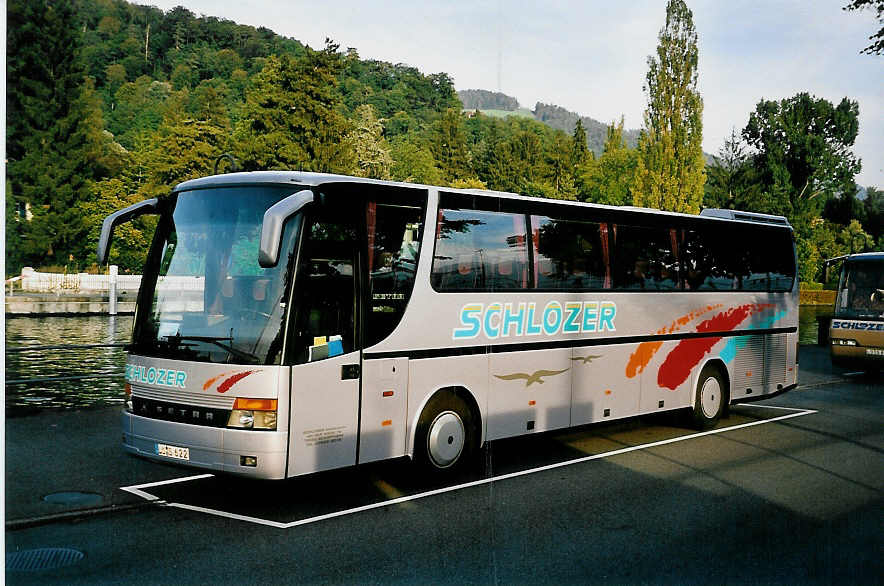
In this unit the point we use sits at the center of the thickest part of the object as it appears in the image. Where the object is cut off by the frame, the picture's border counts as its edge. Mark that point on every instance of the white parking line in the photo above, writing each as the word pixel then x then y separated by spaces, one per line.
pixel 137 488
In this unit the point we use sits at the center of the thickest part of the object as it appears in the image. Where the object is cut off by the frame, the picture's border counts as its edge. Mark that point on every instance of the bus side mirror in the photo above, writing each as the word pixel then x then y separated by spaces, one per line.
pixel 148 206
pixel 274 221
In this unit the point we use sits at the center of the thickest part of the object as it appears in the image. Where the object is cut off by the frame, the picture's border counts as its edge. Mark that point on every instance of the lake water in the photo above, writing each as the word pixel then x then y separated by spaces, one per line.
pixel 109 362
pixel 71 394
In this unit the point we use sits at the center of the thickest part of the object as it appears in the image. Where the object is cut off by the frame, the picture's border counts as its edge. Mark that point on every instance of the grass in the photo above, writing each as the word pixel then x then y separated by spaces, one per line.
pixel 523 112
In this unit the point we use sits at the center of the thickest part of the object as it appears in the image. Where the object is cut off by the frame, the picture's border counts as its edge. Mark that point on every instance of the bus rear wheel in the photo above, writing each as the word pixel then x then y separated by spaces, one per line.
pixel 710 398
pixel 446 435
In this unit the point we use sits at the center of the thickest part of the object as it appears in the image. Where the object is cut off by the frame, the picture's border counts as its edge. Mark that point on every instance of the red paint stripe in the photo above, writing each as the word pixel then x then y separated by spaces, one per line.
pixel 225 386
pixel 687 354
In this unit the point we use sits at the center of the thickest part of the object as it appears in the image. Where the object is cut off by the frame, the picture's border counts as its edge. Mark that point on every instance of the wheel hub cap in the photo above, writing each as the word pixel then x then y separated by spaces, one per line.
pixel 710 397
pixel 445 441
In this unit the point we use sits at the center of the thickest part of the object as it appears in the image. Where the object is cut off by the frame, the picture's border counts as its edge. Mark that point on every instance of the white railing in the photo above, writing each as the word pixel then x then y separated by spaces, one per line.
pixel 32 281
pixel 35 282
pixel 11 283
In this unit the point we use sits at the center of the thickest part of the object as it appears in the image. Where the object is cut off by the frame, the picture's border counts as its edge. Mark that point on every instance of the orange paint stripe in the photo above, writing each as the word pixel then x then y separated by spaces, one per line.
pixel 212 380
pixel 646 350
pixel 641 357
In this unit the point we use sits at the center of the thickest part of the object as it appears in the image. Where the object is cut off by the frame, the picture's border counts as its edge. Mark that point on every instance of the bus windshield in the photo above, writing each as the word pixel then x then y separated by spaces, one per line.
pixel 209 300
pixel 861 291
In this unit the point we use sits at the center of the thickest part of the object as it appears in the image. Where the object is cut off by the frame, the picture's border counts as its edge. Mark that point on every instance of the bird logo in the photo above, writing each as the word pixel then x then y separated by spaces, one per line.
pixel 587 359
pixel 530 379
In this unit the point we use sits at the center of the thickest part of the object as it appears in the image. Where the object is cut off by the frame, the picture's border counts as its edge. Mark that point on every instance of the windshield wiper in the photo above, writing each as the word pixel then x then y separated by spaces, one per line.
pixel 217 341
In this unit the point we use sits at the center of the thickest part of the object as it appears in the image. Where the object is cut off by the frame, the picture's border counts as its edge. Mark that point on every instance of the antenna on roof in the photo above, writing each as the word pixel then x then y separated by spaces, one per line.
pixel 233 166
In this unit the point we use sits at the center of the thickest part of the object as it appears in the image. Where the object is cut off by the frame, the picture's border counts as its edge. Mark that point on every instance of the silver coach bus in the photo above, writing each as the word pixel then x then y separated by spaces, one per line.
pixel 293 322
pixel 856 333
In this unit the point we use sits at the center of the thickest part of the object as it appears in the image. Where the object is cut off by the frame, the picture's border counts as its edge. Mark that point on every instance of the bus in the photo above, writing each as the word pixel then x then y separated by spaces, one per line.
pixel 291 322
pixel 856 333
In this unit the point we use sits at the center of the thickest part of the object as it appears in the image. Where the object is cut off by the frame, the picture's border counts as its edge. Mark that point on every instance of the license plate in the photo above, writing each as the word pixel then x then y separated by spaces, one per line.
pixel 173 452
pixel 875 351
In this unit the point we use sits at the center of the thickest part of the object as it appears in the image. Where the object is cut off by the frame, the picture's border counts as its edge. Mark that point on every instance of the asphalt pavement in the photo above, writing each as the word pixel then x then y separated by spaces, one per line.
pixel 787 491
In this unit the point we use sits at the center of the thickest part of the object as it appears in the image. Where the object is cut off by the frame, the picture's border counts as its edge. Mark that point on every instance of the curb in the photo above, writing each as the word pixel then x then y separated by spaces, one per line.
pixel 77 515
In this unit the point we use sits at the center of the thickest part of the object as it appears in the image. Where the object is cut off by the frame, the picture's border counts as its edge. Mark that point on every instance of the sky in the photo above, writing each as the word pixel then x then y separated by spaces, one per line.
pixel 591 57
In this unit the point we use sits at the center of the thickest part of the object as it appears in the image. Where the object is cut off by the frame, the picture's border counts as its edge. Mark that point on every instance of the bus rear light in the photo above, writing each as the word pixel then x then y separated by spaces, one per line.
pixel 127 388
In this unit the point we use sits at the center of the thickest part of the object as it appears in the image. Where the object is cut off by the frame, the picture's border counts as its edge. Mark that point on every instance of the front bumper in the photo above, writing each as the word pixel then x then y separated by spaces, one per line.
pixel 857 357
pixel 211 448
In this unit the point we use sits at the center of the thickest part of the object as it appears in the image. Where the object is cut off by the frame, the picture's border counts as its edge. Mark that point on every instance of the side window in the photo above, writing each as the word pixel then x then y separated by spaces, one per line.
pixel 394 234
pixel 772 260
pixel 569 255
pixel 326 292
pixel 646 258
pixel 478 250
pixel 713 261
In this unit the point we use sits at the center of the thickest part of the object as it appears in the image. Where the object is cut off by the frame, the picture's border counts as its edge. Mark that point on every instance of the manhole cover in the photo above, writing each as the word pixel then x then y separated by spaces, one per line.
pixel 47 558
pixel 73 498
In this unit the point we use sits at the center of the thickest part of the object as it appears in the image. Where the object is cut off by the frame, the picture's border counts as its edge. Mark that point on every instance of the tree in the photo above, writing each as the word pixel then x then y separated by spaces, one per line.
pixel 413 162
pixel 877 46
pixel 449 146
pixel 729 178
pixel 671 168
pixel 131 239
pixel 609 179
pixel 292 117
pixel 855 239
pixel 42 70
pixel 560 170
pixel 580 152
pixel 802 154
pixel 182 149
pixel 55 178
pixel 874 213
pixel 367 137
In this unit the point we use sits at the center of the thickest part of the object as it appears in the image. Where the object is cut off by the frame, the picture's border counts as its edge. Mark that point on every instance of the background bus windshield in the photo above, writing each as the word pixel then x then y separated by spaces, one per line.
pixel 212 301
pixel 861 291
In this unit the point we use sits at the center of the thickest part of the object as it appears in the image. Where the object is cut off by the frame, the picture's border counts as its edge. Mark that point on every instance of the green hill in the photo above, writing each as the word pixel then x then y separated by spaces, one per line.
pixel 500 105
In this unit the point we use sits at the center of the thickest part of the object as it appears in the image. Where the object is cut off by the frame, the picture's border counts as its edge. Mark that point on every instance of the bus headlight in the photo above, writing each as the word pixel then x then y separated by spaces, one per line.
pixel 253 414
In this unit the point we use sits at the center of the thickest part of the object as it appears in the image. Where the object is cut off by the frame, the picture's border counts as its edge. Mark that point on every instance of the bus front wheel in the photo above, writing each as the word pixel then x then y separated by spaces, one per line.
pixel 710 398
pixel 446 434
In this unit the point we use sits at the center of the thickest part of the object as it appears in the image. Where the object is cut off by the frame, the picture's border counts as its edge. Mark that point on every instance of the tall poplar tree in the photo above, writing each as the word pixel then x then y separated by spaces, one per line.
pixel 671 169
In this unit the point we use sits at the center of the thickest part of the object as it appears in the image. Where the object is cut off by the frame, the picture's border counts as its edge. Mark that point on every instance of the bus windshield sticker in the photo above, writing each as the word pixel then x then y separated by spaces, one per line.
pixel 325 347
pixel 168 329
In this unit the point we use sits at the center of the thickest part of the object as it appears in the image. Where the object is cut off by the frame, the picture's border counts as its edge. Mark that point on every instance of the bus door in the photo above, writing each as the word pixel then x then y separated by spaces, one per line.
pixel 322 346
pixel 393 232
